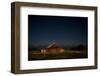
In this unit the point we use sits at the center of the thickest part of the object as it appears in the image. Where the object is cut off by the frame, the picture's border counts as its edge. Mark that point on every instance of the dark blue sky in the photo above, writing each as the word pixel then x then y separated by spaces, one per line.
pixel 43 30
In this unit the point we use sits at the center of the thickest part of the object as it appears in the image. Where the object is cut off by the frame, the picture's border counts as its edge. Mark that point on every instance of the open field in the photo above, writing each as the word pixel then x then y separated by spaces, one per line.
pixel 68 54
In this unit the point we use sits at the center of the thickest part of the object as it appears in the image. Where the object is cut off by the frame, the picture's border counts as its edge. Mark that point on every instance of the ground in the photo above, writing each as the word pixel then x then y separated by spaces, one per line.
pixel 68 54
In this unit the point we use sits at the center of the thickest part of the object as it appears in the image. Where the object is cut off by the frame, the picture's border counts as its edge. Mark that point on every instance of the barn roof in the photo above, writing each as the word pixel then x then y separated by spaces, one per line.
pixel 53 45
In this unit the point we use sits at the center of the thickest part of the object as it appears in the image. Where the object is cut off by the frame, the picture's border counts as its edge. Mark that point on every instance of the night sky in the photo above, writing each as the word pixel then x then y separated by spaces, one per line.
pixel 43 30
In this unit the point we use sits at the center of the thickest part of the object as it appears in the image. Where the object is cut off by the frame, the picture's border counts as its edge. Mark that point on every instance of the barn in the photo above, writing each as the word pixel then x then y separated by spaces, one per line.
pixel 52 49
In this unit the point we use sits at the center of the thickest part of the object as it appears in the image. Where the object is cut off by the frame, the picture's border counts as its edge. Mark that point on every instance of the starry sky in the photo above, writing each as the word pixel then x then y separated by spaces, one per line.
pixel 43 30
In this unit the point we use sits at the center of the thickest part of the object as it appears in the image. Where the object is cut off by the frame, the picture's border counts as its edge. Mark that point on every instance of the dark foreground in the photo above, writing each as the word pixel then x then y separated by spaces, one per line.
pixel 69 54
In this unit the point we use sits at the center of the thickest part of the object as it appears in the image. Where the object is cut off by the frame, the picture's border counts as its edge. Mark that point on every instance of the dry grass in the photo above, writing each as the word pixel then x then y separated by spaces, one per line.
pixel 68 54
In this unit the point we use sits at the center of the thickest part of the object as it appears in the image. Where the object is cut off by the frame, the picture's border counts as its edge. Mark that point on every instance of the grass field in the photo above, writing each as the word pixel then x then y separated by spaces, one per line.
pixel 68 54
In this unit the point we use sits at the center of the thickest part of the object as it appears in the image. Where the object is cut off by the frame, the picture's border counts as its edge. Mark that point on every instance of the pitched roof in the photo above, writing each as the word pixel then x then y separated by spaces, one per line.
pixel 53 45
